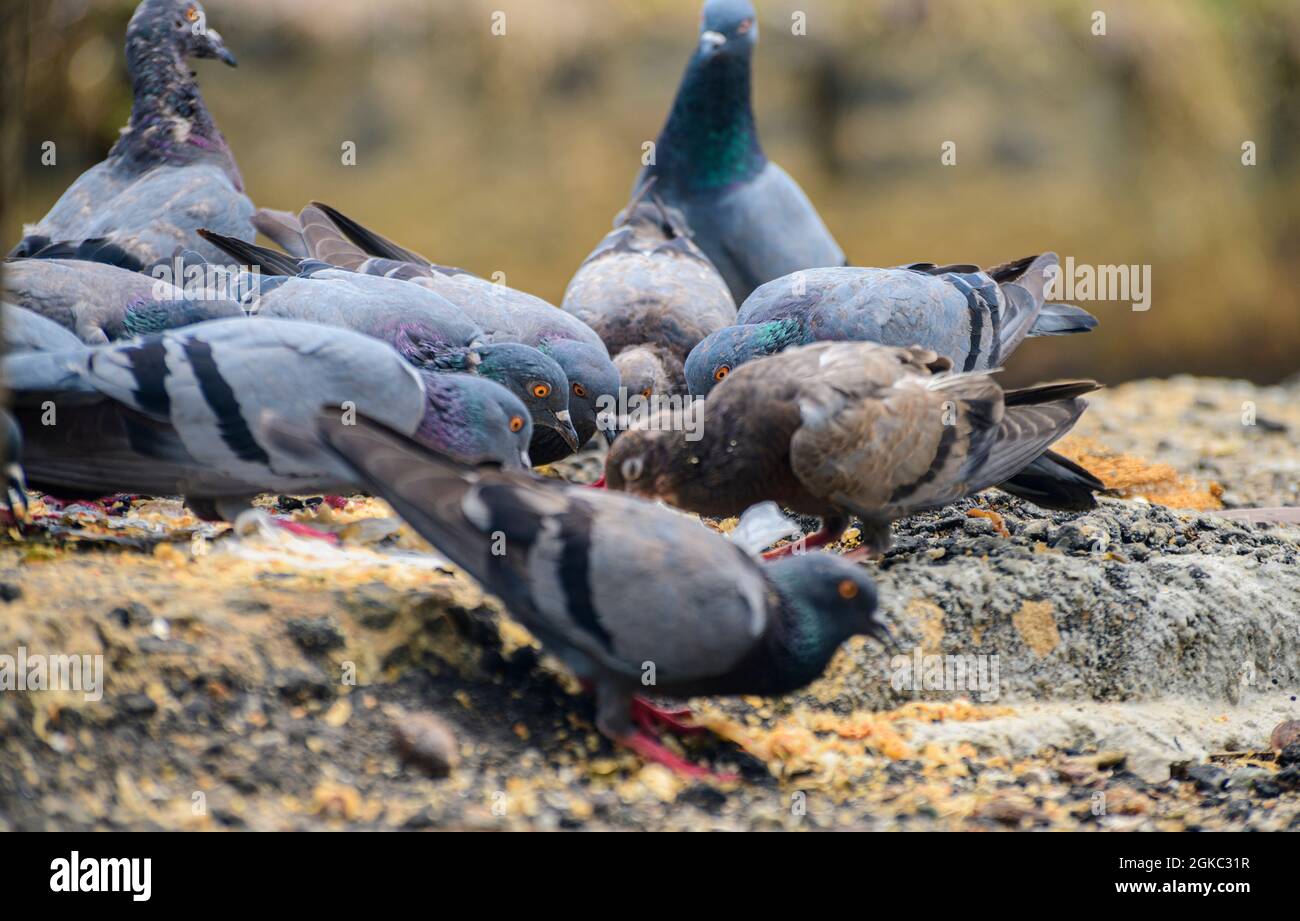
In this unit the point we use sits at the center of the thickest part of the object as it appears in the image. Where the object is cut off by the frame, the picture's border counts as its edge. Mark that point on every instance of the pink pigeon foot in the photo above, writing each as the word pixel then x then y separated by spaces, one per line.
pixel 812 541
pixel 306 530
pixel 649 717
pixel 651 749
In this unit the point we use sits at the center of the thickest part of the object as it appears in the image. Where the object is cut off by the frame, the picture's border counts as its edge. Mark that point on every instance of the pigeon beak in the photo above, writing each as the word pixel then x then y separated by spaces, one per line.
pixel 218 48
pixel 712 41
pixel 525 459
pixel 565 429
pixel 16 492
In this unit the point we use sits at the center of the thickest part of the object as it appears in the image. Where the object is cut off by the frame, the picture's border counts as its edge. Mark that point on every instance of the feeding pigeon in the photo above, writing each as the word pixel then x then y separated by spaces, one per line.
pixel 651 295
pixel 974 317
pixel 177 413
pixel 425 329
pixel 171 172
pixel 614 586
pixel 505 314
pixel 853 428
pixel 750 218
pixel 92 299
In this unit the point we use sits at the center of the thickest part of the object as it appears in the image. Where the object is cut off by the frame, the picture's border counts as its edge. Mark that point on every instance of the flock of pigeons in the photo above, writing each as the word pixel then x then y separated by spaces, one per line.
pixel 343 360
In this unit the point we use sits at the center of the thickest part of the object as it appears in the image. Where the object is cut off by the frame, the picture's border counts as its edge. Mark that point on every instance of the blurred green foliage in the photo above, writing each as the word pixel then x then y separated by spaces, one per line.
pixel 512 152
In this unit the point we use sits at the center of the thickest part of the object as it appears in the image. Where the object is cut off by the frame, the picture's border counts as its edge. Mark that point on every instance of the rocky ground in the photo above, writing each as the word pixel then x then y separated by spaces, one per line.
pixel 1131 668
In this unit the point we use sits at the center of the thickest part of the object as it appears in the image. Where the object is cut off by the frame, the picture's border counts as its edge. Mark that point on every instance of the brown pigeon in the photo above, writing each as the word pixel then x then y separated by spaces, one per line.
pixel 852 428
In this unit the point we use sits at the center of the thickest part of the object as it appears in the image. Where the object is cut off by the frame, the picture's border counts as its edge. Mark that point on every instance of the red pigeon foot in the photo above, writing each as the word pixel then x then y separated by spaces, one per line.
pixel 651 749
pixel 306 530
pixel 599 484
pixel 812 541
pixel 58 505
pixel 649 717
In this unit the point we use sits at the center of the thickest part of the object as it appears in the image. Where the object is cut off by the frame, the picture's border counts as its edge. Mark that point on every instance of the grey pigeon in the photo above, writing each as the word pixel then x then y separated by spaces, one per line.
pixel 92 299
pixel 171 172
pixel 505 314
pixel 651 295
pixel 750 218
pixel 424 328
pixel 27 331
pixel 614 586
pixel 973 317
pixel 178 413
pixel 853 428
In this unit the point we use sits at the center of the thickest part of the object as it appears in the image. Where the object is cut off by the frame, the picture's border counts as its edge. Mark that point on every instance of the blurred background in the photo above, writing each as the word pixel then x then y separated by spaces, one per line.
pixel 512 153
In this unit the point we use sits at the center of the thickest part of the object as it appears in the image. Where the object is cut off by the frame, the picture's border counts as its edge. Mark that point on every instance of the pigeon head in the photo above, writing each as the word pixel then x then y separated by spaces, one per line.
pixel 645 370
pixel 474 421
pixel 537 380
pixel 727 27
pixel 723 351
pixel 181 25
pixel 648 462
pixel 827 599
pixel 593 382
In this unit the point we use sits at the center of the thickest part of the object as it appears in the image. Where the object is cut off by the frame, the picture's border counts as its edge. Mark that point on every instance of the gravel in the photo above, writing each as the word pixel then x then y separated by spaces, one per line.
pixel 1118 670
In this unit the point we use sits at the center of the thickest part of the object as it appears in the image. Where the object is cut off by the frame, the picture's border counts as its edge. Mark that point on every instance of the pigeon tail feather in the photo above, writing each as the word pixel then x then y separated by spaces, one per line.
pixel 250 254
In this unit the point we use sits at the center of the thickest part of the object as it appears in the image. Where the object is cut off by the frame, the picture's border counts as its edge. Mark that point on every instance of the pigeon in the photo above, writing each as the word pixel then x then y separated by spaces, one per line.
pixel 853 428
pixel 425 329
pixel 747 215
pixel 613 585
pixel 28 331
pixel 974 317
pixel 177 413
pixel 651 295
pixel 505 314
pixel 171 172
pixel 92 299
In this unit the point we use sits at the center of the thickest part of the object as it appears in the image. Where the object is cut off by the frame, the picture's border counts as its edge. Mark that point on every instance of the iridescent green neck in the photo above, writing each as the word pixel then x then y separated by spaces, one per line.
pixel 778 335
pixel 710 140
pixel 803 638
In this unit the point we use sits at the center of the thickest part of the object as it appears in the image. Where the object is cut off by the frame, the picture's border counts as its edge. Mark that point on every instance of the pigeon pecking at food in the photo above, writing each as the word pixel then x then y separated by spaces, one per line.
pixel 177 413
pixel 651 295
pixel 170 173
pixel 746 213
pixel 505 314
pixel 424 328
pixel 613 585
pixel 974 317
pixel 853 428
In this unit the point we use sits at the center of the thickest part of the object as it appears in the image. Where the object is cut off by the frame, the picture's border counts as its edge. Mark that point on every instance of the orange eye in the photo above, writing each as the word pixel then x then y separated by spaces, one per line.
pixel 192 14
pixel 722 372
pixel 848 589
pixel 541 391
pixel 579 390
pixel 646 393
pixel 745 26
pixel 516 423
